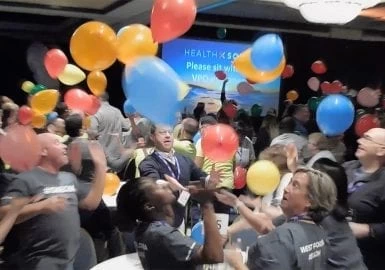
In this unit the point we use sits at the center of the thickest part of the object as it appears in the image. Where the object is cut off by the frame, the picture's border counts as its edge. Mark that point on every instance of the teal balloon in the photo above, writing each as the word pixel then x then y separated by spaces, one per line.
pixel 152 87
pixel 335 115
pixel 267 52
pixel 256 110
pixel 221 33
pixel 37 88
pixel 314 102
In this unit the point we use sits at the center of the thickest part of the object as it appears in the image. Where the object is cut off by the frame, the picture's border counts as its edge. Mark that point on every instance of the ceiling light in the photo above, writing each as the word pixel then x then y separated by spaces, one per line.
pixel 330 11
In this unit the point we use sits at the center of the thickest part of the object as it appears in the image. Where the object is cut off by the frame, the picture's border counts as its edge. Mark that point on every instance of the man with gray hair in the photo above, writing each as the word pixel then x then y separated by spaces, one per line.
pixel 294 241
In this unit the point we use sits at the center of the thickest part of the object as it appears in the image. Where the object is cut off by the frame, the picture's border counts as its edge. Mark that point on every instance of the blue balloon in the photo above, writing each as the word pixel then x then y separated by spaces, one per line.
pixel 335 114
pixel 128 108
pixel 197 137
pixel 267 52
pixel 52 116
pixel 197 233
pixel 152 88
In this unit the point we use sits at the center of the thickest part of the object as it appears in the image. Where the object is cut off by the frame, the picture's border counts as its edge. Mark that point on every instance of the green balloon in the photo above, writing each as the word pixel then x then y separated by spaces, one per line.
pixel 256 110
pixel 360 112
pixel 37 88
pixel 313 103
pixel 221 33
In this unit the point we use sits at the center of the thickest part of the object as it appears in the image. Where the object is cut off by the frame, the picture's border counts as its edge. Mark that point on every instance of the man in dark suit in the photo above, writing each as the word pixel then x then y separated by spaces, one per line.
pixel 164 161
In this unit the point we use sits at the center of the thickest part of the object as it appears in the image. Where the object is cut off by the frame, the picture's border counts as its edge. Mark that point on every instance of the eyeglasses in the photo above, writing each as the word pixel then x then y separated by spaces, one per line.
pixel 368 138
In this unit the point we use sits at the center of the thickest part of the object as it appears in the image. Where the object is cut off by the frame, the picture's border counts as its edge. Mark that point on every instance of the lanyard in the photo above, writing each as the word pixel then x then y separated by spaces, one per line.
pixel 302 217
pixel 174 174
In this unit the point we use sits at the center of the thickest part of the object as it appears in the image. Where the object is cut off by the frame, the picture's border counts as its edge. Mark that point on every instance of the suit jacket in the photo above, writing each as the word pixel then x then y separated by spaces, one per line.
pixel 152 167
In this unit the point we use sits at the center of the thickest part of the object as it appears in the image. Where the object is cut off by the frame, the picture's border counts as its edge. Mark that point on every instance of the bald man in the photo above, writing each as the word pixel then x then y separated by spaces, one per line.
pixel 50 229
pixel 366 188
pixel 184 144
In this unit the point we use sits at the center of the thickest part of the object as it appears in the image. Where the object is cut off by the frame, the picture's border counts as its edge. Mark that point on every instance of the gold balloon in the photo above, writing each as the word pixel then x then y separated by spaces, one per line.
pixel 112 184
pixel 87 122
pixel 263 177
pixel 97 82
pixel 44 101
pixel 292 95
pixel 71 75
pixel 135 41
pixel 27 86
pixel 244 66
pixel 93 46
pixel 184 89
pixel 38 120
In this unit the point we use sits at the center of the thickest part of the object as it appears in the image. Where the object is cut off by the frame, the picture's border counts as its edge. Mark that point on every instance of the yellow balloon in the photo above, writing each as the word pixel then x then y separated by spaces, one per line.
pixel 27 86
pixel 263 177
pixel 183 90
pixel 112 184
pixel 93 46
pixel 97 82
pixel 244 66
pixel 38 120
pixel 135 41
pixel 44 101
pixel 71 75
pixel 292 95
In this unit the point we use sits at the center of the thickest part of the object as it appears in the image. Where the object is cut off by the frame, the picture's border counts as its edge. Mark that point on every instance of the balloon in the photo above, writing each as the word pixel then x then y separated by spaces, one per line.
pixel 335 114
pixel 128 108
pixel 263 177
pixel 256 110
pixel 313 83
pixel 368 97
pixel 240 177
pixel 87 122
pixel 93 105
pixel 135 41
pixel 52 116
pixel 292 95
pixel 219 142
pixel 331 88
pixel 366 122
pixel 244 88
pixel 27 86
pixel 318 67
pixel 172 18
pixel 55 61
pixel 352 93
pixel 184 89
pixel 77 99
pixel 360 112
pixel 220 75
pixel 288 72
pixel 37 88
pixel 71 75
pixel 197 137
pixel 139 83
pixel 244 66
pixel 93 46
pixel 230 110
pixel 20 148
pixel 38 120
pixel 221 33
pixel 25 115
pixel 197 233
pixel 267 52
pixel 314 102
pixel 111 185
pixel 45 101
pixel 97 82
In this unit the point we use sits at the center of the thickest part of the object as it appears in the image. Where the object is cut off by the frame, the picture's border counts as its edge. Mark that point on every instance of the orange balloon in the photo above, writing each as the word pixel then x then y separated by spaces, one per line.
pixel 45 101
pixel 38 120
pixel 87 122
pixel 244 66
pixel 112 184
pixel 93 46
pixel 292 95
pixel 135 41
pixel 97 82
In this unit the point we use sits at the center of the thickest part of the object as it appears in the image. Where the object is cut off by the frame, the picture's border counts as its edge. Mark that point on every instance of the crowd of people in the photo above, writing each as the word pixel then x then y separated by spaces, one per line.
pixel 327 211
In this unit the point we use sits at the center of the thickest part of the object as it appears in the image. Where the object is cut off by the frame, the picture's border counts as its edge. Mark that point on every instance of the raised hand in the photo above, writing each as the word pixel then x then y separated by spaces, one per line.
pixel 214 178
pixel 291 156
pixel 174 184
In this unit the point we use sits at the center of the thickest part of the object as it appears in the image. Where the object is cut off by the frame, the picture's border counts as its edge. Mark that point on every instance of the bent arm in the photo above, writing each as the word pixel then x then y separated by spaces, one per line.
pixel 92 200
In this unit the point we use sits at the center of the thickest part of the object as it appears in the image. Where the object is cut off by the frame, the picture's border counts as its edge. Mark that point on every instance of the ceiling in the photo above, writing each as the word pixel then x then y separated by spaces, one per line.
pixel 49 20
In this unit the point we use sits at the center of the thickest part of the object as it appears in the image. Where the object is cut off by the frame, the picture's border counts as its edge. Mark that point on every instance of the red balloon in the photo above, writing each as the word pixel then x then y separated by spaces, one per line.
pixel 20 148
pixel 244 88
pixel 219 142
pixel 318 67
pixel 77 99
pixel 366 122
pixel 230 110
pixel 94 105
pixel 25 115
pixel 172 18
pixel 240 177
pixel 55 61
pixel 288 72
pixel 220 75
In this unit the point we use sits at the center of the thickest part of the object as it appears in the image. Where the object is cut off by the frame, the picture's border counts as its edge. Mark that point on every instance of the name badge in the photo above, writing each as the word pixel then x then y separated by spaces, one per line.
pixel 184 196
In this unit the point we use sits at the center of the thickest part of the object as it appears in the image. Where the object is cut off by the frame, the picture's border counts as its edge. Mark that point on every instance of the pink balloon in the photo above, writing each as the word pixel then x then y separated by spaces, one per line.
pixel 313 83
pixel 220 75
pixel 55 61
pixel 77 99
pixel 20 148
pixel 93 106
pixel 368 97
pixel 244 88
pixel 25 115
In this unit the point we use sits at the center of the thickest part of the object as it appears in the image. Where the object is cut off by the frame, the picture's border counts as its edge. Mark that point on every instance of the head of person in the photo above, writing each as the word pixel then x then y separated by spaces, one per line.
pixel 9 114
pixel 189 128
pixel 318 142
pixel 338 175
pixel 276 154
pixel 301 113
pixel 104 97
pixel 270 123
pixel 310 192
pixel 162 137
pixel 371 146
pixel 57 126
pixel 206 121
pixel 142 199
pixel 287 125
pixel 53 152
pixel 62 110
pixel 74 125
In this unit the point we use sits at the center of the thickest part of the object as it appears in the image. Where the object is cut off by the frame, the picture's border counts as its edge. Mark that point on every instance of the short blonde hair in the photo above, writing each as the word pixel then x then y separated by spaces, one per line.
pixel 321 141
pixel 276 154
